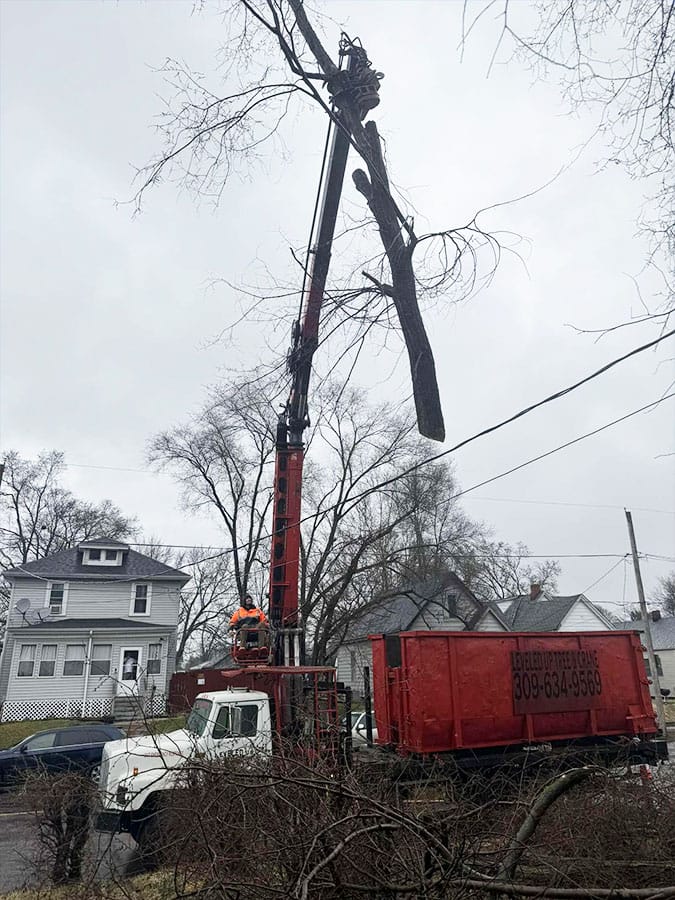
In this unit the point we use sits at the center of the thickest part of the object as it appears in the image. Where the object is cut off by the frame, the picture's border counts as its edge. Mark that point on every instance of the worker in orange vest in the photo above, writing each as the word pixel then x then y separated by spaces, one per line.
pixel 248 615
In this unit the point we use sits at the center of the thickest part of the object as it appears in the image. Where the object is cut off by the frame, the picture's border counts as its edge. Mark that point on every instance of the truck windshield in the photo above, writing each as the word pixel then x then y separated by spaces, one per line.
pixel 199 716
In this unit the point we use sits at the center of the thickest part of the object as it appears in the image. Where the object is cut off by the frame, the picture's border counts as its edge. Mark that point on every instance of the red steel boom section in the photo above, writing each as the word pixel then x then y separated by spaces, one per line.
pixel 358 85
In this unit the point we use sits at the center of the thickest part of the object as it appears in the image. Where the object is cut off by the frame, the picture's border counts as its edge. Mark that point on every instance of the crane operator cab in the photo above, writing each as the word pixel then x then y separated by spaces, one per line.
pixel 251 634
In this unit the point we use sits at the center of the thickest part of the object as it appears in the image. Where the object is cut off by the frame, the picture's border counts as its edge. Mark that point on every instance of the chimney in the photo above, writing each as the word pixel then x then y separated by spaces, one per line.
pixel 535 590
pixel 655 615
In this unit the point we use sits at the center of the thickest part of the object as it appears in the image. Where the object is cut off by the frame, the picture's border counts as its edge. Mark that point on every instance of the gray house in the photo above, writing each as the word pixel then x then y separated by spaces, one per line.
pixel 441 603
pixel 91 632
pixel 542 611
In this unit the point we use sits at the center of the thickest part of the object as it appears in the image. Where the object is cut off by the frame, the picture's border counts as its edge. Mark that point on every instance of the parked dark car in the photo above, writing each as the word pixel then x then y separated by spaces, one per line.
pixel 76 748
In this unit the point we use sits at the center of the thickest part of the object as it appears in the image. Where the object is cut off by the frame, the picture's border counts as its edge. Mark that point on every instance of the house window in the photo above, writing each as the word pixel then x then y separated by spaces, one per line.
pixel 353 666
pixel 74 663
pixel 154 659
pixel 56 594
pixel 47 660
pixel 100 659
pixel 111 555
pixel 659 667
pixel 94 555
pixel 26 660
pixel 141 600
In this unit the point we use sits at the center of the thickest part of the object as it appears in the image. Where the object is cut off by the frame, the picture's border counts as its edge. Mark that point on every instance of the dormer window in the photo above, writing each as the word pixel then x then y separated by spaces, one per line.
pixel 102 555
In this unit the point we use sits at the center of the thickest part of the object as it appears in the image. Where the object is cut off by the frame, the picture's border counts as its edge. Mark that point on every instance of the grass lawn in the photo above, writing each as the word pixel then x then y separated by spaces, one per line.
pixel 13 732
pixel 161 726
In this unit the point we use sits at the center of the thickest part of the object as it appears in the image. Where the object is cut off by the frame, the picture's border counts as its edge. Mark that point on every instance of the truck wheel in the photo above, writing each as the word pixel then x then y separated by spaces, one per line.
pixel 148 834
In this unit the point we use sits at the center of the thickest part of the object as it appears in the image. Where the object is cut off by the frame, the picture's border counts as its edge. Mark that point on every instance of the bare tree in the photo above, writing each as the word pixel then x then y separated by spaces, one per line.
pixel 664 594
pixel 223 461
pixel 206 602
pixel 40 517
pixel 618 59
pixel 499 570
pixel 272 58
pixel 358 538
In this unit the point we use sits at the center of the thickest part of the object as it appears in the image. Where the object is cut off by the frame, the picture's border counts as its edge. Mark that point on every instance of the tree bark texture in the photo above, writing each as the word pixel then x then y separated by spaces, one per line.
pixel 404 294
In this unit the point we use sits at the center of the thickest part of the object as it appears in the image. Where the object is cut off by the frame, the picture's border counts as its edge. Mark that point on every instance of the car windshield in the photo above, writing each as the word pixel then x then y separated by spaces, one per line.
pixel 199 716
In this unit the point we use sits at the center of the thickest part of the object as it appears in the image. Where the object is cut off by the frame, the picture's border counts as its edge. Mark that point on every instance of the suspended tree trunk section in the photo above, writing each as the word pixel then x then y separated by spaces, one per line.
pixel 374 186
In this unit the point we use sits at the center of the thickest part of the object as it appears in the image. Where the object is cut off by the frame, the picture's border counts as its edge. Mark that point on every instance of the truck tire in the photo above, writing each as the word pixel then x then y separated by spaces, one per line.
pixel 146 829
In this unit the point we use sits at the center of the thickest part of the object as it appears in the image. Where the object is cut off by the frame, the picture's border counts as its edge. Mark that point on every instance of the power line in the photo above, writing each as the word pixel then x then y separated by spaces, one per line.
pixel 353 500
pixel 374 488
pixel 608 572
pixel 523 412
pixel 665 512
pixel 225 550
pixel 523 465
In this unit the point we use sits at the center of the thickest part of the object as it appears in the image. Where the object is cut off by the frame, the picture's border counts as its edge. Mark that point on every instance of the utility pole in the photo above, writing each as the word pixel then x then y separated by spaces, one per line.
pixel 658 697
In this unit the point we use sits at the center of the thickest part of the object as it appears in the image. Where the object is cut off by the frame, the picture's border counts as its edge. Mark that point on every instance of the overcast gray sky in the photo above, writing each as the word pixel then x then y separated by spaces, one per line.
pixel 108 320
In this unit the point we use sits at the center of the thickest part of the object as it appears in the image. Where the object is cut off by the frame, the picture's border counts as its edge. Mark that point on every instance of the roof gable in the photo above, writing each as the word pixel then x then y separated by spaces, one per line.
pixel 489 609
pixel 397 611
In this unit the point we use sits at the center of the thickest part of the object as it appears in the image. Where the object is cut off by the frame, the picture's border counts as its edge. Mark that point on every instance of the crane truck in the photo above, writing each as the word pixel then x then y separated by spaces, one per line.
pixel 474 698
pixel 285 698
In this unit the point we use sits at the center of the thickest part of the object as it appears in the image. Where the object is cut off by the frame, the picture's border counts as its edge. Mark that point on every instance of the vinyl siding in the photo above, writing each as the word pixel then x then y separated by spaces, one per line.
pixel 351 658
pixel 667 680
pixel 489 622
pixel 583 618
pixel 87 599
pixel 5 664
pixel 60 686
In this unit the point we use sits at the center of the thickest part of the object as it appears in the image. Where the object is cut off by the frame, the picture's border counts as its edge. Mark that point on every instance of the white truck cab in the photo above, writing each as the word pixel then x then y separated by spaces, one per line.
pixel 135 771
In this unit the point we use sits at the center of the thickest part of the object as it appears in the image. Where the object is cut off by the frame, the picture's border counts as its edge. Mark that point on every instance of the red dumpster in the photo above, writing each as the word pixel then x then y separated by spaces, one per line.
pixel 444 691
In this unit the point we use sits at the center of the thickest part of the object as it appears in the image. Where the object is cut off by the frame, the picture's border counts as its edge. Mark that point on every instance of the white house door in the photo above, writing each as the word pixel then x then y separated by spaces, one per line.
pixel 129 670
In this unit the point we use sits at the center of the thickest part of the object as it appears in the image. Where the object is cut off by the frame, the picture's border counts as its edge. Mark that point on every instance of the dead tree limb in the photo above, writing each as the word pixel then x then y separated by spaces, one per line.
pixel 375 188
pixel 548 795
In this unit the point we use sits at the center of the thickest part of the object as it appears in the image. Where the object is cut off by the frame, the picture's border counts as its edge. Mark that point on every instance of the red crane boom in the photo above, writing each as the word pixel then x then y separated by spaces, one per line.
pixel 359 85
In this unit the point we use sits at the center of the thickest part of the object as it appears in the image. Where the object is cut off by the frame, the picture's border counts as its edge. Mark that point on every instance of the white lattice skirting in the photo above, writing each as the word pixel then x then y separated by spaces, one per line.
pixel 94 708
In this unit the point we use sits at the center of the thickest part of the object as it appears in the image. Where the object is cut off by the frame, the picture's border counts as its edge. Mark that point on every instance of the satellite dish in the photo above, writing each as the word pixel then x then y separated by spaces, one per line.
pixel 22 605
pixel 33 617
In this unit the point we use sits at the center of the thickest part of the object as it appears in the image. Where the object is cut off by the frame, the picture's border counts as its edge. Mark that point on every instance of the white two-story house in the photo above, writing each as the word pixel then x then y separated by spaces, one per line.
pixel 90 631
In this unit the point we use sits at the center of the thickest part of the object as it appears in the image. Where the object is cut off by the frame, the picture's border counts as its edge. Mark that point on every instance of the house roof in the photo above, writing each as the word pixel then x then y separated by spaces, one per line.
pixel 397 612
pixel 663 631
pixel 547 612
pixel 93 624
pixel 68 565
pixel 538 615
pixel 103 542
